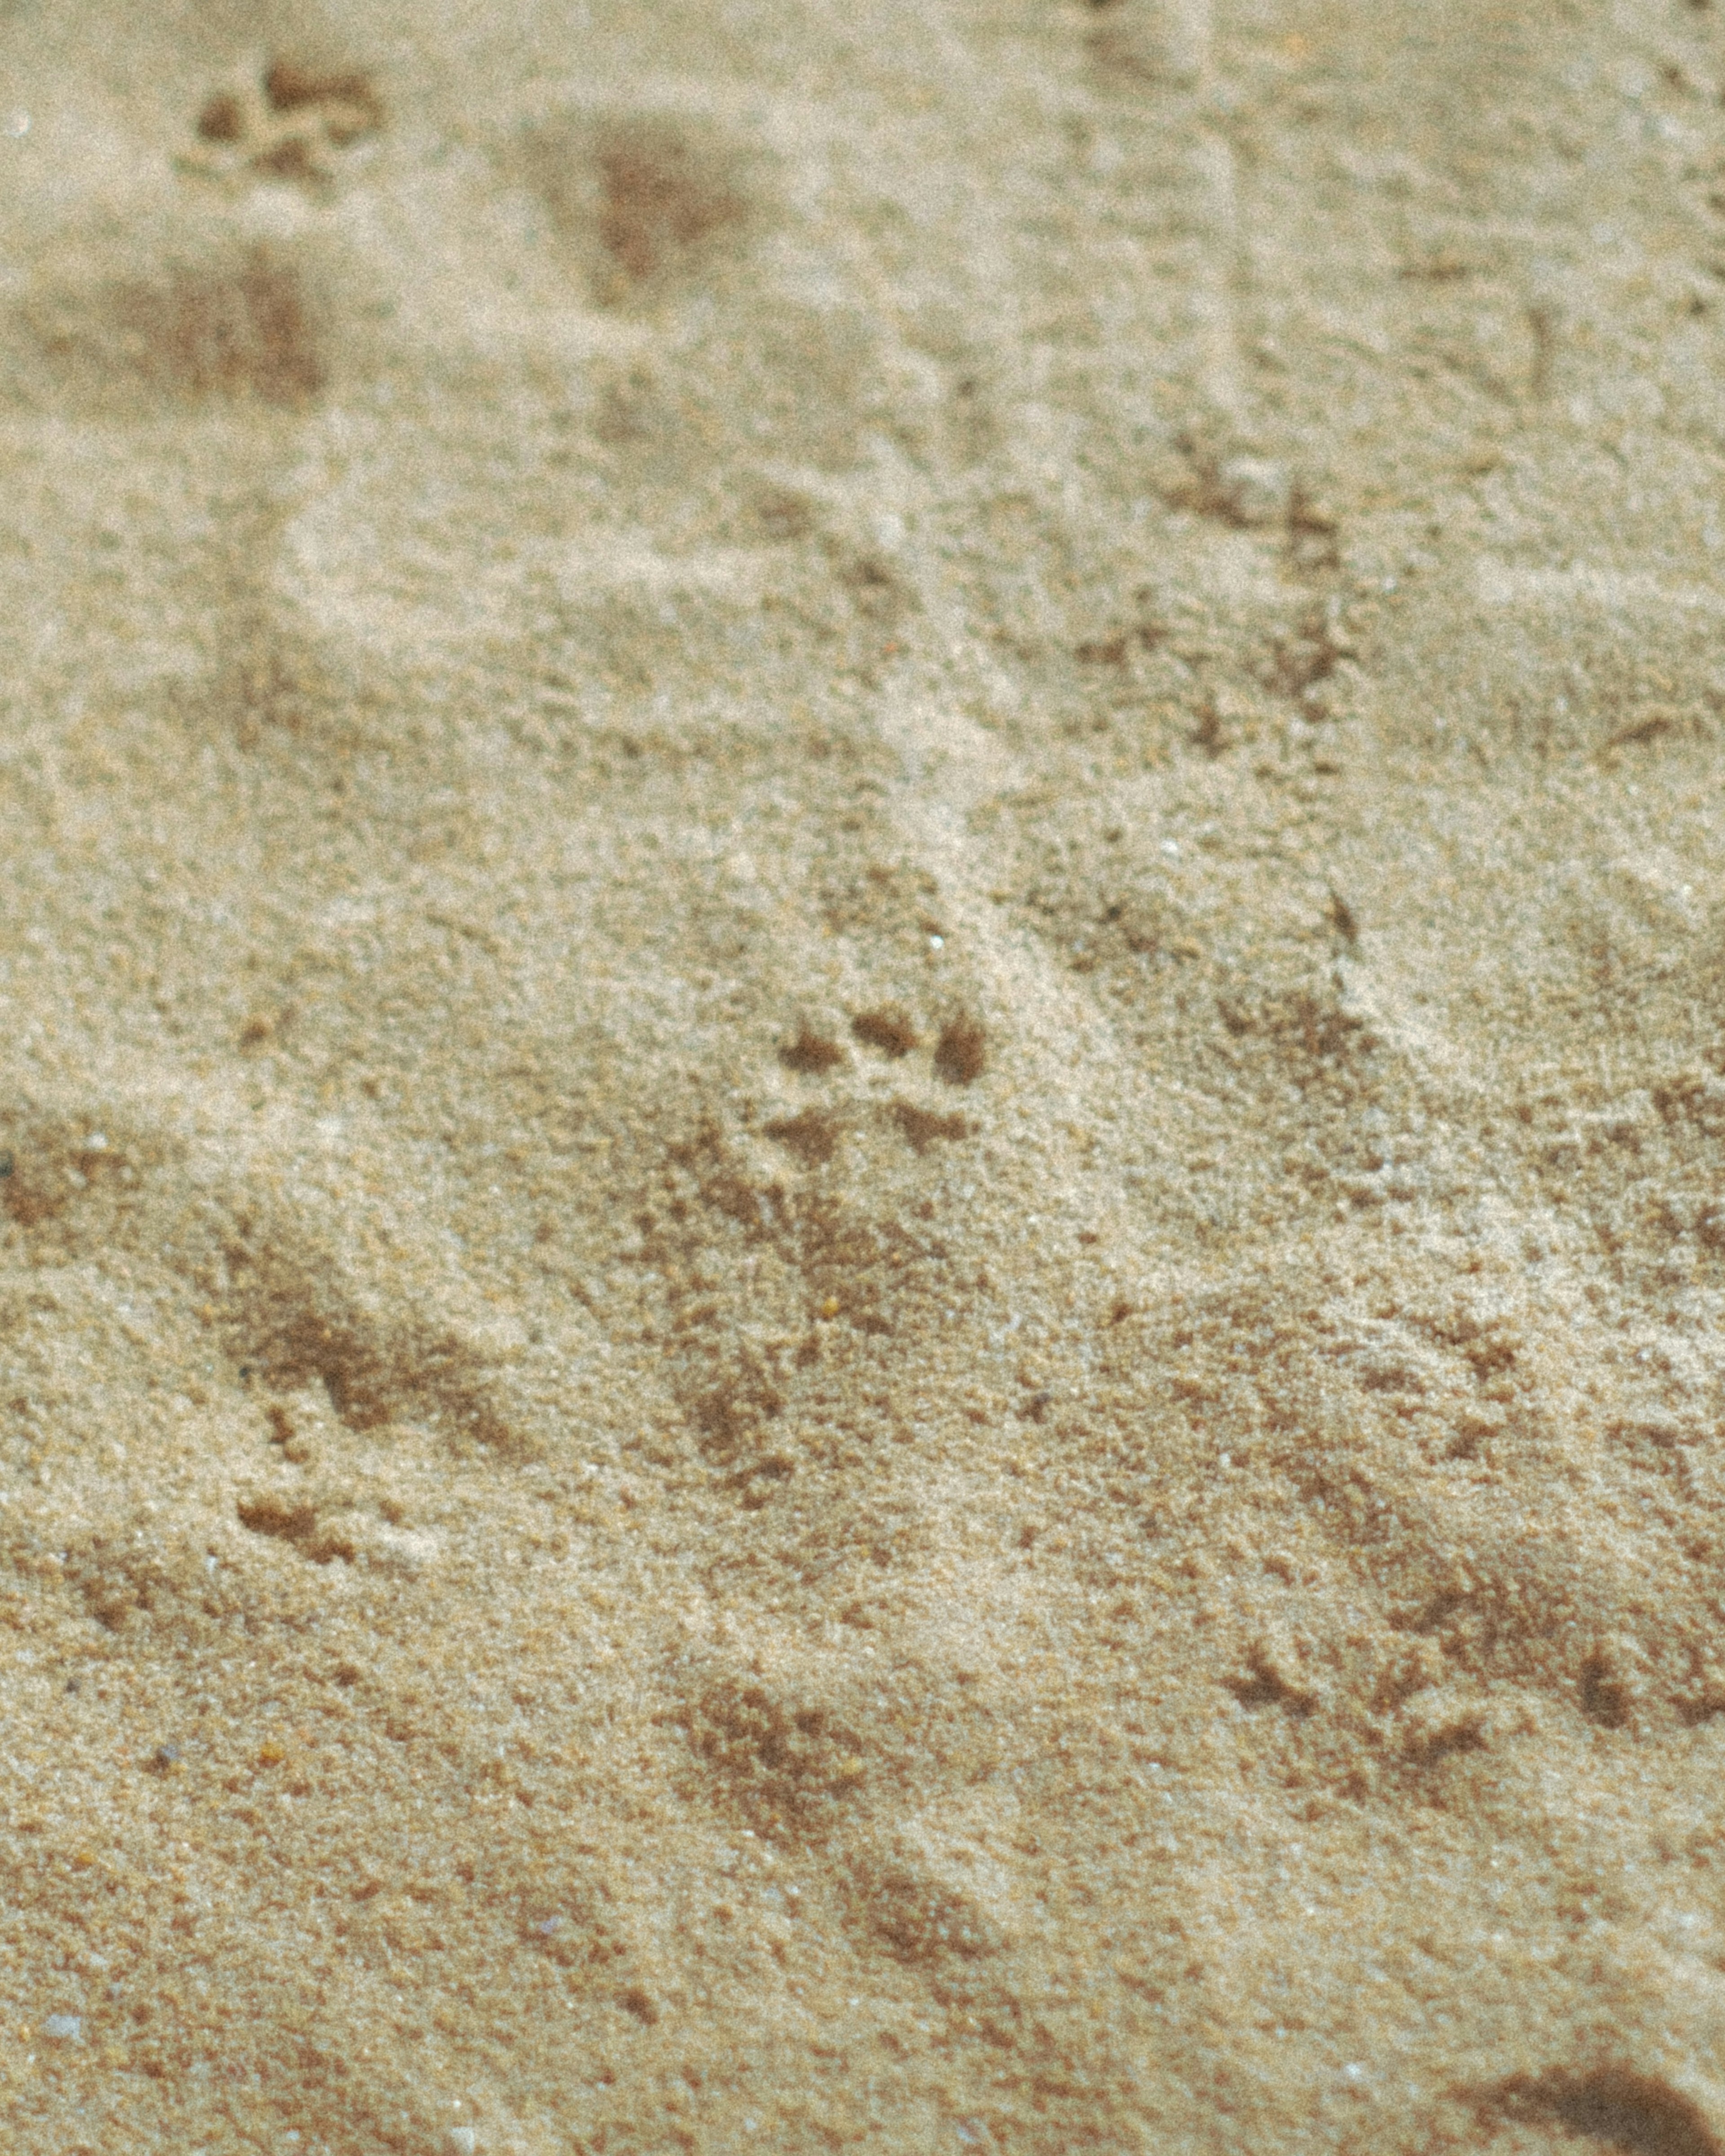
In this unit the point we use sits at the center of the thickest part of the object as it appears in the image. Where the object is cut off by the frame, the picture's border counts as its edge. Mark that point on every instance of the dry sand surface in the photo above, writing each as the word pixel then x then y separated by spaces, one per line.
pixel 862 1077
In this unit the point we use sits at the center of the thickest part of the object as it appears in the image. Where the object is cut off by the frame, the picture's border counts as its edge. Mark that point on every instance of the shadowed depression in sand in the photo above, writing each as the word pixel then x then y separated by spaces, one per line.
pixel 862 1077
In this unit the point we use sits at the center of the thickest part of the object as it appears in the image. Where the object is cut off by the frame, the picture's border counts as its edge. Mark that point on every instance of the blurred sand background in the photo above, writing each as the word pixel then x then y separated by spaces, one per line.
pixel 862 1077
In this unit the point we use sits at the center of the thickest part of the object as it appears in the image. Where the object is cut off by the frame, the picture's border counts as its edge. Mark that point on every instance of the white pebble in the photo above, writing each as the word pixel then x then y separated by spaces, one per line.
pixel 64 2028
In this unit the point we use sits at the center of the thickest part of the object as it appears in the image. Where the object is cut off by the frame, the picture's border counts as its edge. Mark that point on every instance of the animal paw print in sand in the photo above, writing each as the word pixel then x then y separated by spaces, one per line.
pixel 281 119
pixel 959 1057
pixel 322 1499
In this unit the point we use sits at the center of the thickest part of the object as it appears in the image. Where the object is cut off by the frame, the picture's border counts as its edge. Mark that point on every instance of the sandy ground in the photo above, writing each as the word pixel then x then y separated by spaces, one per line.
pixel 862 1077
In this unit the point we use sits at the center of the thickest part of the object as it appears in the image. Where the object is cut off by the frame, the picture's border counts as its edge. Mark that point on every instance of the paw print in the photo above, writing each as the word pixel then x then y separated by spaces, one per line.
pixel 281 120
pixel 958 1058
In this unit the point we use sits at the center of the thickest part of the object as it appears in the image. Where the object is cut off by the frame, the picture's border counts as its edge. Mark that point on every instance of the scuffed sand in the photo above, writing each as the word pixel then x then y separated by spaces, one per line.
pixel 862 1077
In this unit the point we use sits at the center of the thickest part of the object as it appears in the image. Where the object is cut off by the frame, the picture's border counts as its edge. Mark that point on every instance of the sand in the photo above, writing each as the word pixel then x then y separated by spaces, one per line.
pixel 862 1077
